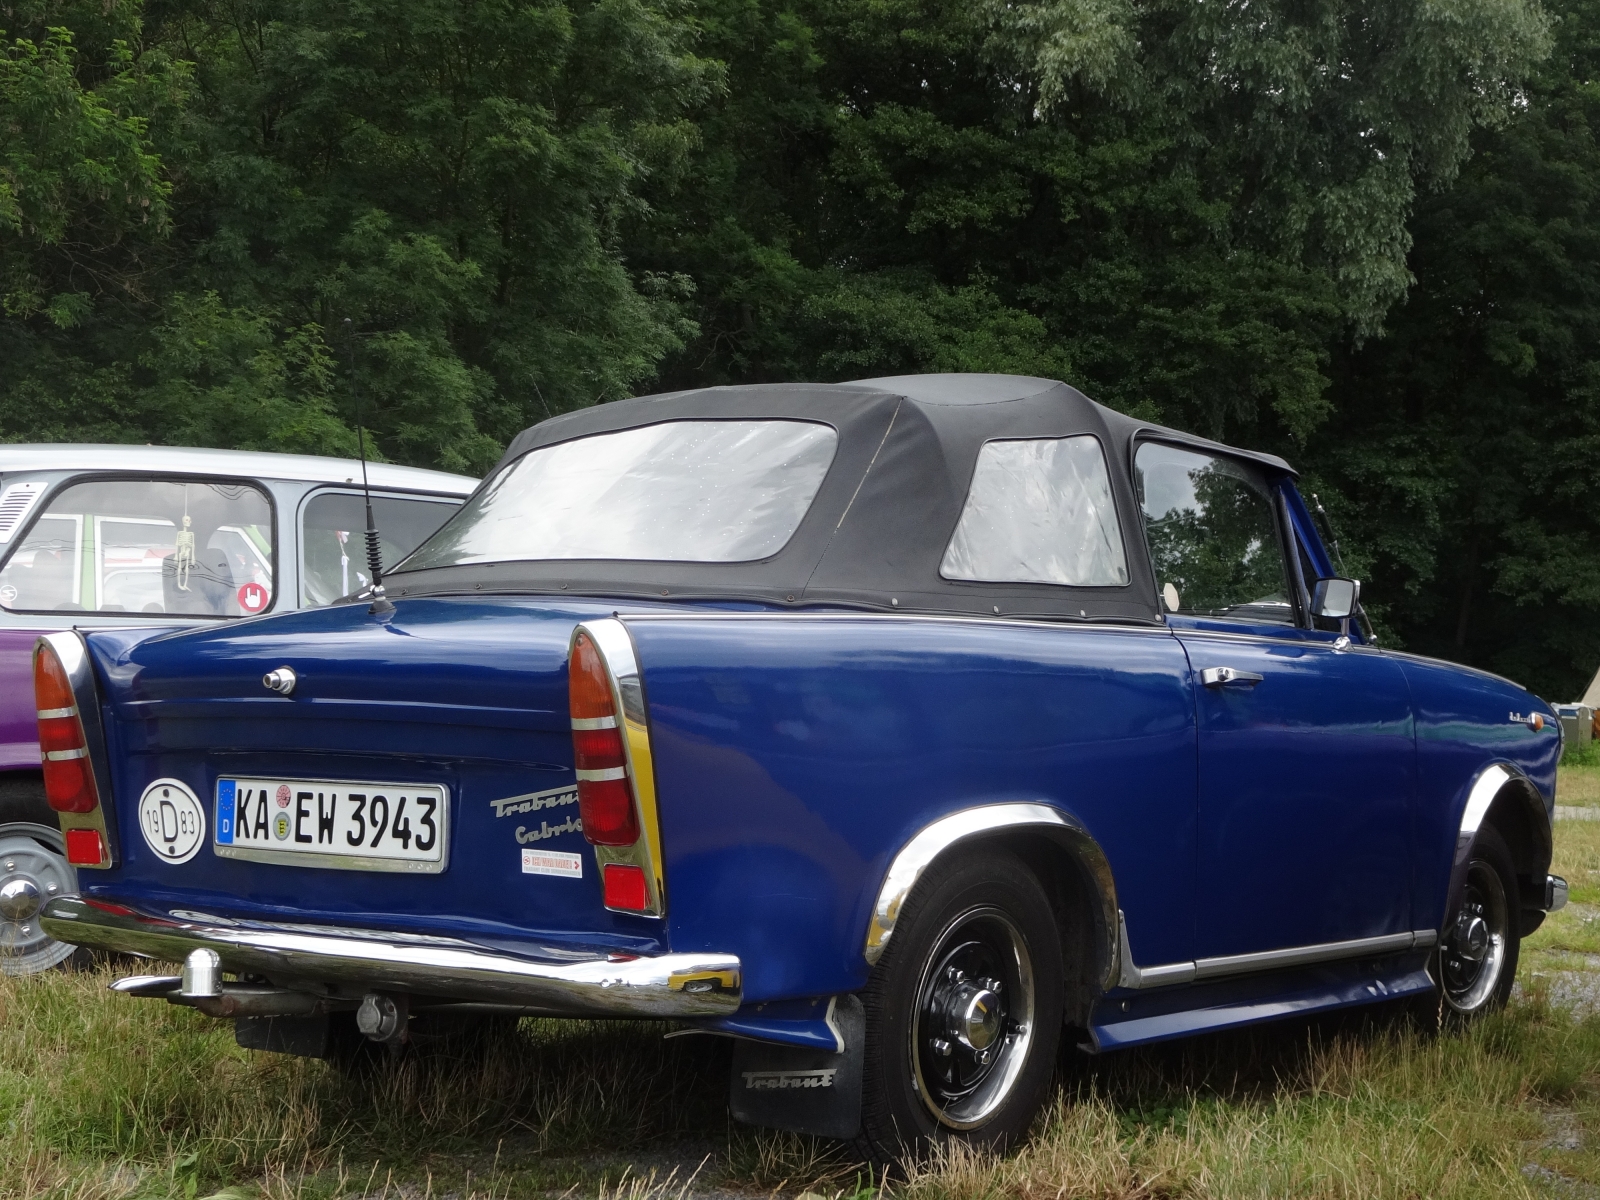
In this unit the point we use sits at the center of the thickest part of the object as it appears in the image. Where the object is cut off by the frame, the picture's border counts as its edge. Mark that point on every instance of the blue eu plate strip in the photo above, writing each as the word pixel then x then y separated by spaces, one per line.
pixel 225 793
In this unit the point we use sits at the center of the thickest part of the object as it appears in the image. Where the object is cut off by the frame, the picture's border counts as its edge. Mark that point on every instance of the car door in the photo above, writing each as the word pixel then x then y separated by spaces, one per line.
pixel 1306 748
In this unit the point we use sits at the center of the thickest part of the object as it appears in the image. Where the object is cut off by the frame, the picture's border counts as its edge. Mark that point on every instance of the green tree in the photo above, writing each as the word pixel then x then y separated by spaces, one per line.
pixel 1466 458
pixel 1179 207
pixel 447 178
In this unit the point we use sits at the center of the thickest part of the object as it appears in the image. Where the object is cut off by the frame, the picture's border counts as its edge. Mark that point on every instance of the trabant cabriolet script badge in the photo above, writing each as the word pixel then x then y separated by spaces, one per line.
pixel 1534 722
pixel 532 802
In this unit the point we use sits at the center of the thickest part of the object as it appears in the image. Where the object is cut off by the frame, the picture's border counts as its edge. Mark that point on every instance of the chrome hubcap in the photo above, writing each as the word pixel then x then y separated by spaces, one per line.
pixel 19 898
pixel 1474 952
pixel 33 869
pixel 974 1018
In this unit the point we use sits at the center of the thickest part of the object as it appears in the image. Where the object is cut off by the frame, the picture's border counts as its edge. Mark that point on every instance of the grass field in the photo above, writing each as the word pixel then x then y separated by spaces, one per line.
pixel 103 1096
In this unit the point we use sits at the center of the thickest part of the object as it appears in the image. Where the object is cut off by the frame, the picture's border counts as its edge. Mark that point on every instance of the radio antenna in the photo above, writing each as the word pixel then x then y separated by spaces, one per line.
pixel 380 602
pixel 1327 523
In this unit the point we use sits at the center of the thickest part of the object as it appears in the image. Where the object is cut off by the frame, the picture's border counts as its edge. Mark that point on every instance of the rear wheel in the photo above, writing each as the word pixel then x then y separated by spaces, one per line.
pixel 1478 950
pixel 33 870
pixel 963 1012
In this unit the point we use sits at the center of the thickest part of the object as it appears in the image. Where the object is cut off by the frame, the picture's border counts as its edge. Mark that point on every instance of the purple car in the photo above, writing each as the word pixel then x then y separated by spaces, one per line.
pixel 99 536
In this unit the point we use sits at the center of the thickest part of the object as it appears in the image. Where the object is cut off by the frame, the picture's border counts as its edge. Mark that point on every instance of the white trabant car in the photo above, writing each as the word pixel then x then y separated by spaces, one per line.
pixel 94 536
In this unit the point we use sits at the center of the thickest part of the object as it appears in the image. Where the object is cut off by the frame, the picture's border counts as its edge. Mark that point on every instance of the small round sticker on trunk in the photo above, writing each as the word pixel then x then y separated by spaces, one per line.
pixel 172 821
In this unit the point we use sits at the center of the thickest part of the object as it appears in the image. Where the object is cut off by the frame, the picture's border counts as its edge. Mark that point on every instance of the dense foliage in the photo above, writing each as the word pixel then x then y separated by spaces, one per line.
pixel 1355 233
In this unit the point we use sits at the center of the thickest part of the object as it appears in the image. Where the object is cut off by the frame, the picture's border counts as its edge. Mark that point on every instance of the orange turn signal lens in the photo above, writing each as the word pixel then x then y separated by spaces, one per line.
pixel 589 688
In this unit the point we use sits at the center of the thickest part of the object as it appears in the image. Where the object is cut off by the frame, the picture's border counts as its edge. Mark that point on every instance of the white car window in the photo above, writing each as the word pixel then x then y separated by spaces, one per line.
pixel 1039 511
pixel 153 546
pixel 680 491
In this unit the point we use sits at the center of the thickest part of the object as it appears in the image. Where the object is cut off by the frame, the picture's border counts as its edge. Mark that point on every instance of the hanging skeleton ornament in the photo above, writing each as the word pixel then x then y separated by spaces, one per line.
pixel 183 560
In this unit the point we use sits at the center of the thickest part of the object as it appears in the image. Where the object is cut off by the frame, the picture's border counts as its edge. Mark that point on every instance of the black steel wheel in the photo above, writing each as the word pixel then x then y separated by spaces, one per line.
pixel 1478 948
pixel 963 1011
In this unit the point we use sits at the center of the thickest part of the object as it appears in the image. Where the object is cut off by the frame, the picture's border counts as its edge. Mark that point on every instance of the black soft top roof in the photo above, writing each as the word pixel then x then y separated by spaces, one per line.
pixel 878 528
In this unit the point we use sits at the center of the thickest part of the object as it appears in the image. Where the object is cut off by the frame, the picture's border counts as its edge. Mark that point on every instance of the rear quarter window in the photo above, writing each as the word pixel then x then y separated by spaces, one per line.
pixel 1039 510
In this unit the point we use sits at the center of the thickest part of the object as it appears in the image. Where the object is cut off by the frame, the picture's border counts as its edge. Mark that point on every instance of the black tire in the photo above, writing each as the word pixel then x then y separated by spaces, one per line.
pixel 33 869
pixel 1476 962
pixel 934 1070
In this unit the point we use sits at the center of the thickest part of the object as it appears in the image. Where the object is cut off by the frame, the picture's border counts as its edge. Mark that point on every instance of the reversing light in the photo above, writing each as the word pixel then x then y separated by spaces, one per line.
pixel 605 793
pixel 68 778
pixel 625 887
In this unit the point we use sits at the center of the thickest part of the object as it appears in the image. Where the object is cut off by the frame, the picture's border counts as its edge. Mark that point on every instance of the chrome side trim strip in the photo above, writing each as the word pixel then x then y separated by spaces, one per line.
pixel 601 985
pixel 73 652
pixel 66 755
pixel 1297 956
pixel 53 714
pixel 1131 976
pixel 934 839
pixel 1200 970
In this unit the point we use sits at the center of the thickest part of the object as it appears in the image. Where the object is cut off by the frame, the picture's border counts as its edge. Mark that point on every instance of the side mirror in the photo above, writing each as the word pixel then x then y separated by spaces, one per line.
pixel 1335 598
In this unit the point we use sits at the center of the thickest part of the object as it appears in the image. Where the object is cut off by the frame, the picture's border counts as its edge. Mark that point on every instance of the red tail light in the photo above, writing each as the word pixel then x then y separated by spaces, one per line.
pixel 605 793
pixel 68 779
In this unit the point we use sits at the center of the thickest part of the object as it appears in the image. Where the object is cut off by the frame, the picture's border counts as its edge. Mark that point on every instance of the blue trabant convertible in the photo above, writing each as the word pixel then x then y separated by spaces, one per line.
pixel 898 729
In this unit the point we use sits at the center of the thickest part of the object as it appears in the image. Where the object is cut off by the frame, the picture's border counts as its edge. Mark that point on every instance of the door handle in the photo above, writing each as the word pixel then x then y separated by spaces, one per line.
pixel 1215 677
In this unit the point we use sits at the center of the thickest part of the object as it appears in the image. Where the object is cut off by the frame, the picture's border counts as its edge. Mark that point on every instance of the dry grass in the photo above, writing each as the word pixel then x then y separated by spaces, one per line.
pixel 1578 785
pixel 107 1098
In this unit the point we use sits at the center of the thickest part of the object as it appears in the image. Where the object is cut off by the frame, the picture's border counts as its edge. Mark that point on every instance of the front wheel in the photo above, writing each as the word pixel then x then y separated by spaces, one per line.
pixel 1478 949
pixel 963 1012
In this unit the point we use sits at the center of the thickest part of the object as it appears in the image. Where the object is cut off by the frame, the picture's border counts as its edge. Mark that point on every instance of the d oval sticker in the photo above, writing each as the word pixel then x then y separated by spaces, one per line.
pixel 172 821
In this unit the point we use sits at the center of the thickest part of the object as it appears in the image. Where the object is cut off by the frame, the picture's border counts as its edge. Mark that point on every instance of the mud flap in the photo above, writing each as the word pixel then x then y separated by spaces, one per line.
pixel 306 1036
pixel 801 1090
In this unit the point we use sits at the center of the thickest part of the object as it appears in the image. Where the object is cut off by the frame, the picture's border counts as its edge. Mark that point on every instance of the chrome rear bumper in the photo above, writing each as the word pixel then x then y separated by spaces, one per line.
pixel 568 984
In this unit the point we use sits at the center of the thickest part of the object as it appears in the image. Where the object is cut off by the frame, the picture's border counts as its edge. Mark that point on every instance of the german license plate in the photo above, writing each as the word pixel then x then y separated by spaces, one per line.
pixel 334 823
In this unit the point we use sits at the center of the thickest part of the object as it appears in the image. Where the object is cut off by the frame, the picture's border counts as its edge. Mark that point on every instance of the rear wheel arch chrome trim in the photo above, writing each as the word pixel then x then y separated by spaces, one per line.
pixel 982 823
